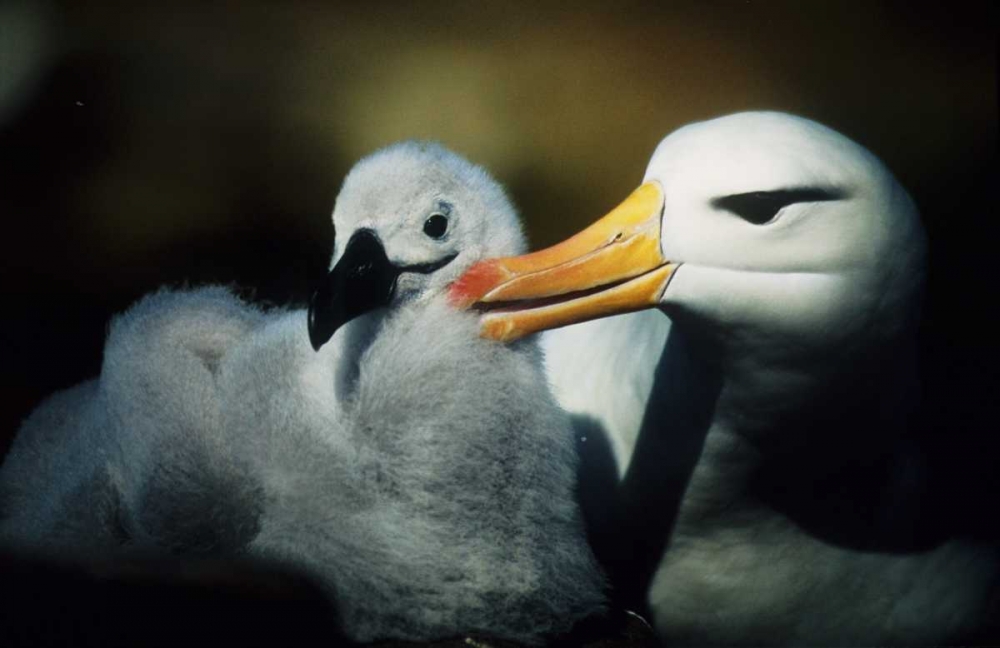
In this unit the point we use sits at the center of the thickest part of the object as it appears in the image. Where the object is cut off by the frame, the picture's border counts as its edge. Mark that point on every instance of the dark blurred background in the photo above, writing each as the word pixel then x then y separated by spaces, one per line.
pixel 143 145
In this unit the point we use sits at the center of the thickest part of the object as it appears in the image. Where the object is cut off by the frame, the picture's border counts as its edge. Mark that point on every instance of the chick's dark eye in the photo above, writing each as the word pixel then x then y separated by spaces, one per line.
pixel 435 226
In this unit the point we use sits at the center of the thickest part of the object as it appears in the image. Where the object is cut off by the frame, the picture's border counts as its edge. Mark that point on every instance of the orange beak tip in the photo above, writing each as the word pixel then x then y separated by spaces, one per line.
pixel 475 283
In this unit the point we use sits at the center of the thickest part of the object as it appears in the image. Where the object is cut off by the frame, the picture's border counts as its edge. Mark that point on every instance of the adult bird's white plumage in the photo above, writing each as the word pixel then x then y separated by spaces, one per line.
pixel 423 474
pixel 767 477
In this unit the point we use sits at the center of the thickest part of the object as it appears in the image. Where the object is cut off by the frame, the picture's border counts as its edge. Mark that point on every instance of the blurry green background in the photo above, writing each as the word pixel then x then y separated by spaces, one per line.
pixel 188 143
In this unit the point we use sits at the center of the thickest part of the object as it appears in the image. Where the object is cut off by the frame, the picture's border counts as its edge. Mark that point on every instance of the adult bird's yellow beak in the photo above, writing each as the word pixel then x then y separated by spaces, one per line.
pixel 614 266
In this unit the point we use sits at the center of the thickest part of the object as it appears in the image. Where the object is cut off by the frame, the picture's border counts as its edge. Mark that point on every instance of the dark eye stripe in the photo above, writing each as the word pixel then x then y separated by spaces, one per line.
pixel 759 207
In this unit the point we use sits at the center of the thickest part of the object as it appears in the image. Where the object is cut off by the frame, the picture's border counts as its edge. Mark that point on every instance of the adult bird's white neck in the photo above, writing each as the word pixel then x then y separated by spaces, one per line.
pixel 600 380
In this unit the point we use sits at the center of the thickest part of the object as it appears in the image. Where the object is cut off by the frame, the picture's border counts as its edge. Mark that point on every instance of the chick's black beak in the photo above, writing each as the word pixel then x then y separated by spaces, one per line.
pixel 364 279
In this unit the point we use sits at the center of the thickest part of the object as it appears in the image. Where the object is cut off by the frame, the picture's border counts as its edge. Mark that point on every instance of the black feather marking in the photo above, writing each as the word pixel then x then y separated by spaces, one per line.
pixel 760 207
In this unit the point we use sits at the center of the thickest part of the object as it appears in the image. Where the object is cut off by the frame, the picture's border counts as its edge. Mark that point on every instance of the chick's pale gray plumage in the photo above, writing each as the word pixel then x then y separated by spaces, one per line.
pixel 453 482
pixel 425 475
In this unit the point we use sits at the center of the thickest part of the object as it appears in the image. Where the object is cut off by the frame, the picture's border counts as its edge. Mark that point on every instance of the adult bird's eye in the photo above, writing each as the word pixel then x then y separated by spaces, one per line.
pixel 435 226
pixel 760 207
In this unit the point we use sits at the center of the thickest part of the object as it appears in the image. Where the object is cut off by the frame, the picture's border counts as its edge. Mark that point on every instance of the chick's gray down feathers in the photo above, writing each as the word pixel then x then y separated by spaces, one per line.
pixel 432 493
pixel 85 467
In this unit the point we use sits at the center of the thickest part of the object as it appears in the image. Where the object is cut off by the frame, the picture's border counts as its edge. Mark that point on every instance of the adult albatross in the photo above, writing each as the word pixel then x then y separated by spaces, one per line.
pixel 423 475
pixel 770 492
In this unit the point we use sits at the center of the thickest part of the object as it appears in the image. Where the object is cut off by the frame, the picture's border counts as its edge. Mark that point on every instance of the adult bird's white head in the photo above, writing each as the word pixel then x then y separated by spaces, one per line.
pixel 758 216
pixel 442 215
